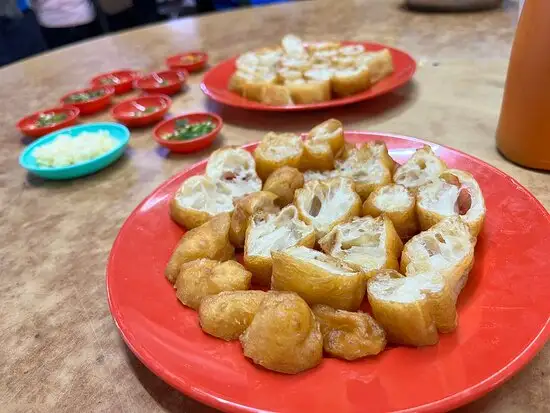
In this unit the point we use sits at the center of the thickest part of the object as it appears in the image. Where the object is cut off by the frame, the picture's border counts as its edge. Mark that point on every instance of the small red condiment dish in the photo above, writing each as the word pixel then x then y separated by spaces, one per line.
pixel 28 127
pixel 190 145
pixel 92 105
pixel 125 111
pixel 181 61
pixel 124 84
pixel 152 83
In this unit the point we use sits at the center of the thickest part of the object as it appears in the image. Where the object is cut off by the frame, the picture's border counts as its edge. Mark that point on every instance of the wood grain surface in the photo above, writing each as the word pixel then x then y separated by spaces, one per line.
pixel 60 350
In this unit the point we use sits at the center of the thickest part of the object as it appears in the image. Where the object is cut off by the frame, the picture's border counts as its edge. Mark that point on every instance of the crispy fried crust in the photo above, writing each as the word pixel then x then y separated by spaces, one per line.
pixel 317 156
pixel 308 91
pixel 330 131
pixel 226 315
pixel 421 168
pixel 284 182
pixel 277 150
pixel 200 278
pixel 246 207
pixel 398 204
pixel 318 278
pixel 350 81
pixel 349 335
pixel 210 240
pixel 284 335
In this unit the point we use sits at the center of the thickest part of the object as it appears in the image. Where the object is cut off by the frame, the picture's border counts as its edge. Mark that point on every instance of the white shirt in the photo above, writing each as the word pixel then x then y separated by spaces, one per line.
pixel 63 13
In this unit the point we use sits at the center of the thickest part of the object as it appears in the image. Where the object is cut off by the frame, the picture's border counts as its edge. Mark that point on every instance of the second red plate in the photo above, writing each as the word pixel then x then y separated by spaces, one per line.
pixel 216 80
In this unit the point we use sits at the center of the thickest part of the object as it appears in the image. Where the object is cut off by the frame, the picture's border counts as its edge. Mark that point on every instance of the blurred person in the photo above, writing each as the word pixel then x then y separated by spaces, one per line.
pixel 125 14
pixel 66 21
pixel 20 35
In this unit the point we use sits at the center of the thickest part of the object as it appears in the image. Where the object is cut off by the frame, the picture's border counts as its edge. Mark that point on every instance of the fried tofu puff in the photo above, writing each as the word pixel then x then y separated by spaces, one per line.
pixel 349 335
pixel 273 232
pixel 210 240
pixel 350 80
pixel 245 207
pixel 203 277
pixel 284 335
pixel 318 278
pixel 412 309
pixel 325 204
pixel 306 91
pixel 454 193
pixel 198 199
pixel 226 315
pixel 284 182
pixel 330 131
pixel 277 150
pixel 379 64
pixel 236 168
pixel 398 204
pixel 447 248
pixel 365 243
pixel 421 168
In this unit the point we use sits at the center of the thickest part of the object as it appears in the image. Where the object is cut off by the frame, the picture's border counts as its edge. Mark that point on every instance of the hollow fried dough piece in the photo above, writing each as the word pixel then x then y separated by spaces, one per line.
pixel 379 64
pixel 319 175
pixel 200 278
pixel 210 240
pixel 284 335
pixel 276 95
pixel 421 168
pixel 306 91
pixel 325 204
pixel 454 193
pixel 198 199
pixel 368 173
pixel 349 335
pixel 246 207
pixel 351 50
pixel 379 150
pixel 330 131
pixel 277 150
pixel 293 46
pixel 254 88
pixel 283 182
pixel 447 248
pixel 236 168
pixel 226 315
pixel 273 232
pixel 398 204
pixel 349 81
pixel 318 46
pixel 317 156
pixel 365 243
pixel 411 309
pixel 318 278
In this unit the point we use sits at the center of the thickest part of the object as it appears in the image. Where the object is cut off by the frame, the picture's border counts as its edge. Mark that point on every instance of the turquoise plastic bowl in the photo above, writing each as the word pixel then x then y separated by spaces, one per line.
pixel 117 131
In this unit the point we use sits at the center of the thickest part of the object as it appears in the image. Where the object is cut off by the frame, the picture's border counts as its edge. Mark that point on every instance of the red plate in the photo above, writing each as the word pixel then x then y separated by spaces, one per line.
pixel 504 315
pixel 124 111
pixel 216 80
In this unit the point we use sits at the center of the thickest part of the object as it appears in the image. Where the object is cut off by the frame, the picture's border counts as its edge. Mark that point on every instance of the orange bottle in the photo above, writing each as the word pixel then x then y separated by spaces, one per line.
pixel 523 133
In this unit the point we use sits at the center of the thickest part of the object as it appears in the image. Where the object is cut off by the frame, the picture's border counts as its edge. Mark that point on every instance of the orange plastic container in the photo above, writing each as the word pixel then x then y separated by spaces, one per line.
pixel 523 133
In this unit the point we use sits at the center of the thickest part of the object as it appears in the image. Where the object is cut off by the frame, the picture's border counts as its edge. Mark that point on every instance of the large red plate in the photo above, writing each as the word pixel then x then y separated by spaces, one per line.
pixel 504 315
pixel 216 80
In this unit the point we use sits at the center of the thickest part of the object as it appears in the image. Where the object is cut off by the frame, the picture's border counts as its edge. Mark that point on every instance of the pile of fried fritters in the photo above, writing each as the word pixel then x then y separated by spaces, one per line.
pixel 322 224
pixel 296 73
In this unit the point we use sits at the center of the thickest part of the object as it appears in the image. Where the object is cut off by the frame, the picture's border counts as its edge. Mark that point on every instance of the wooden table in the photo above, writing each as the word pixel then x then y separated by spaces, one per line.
pixel 61 351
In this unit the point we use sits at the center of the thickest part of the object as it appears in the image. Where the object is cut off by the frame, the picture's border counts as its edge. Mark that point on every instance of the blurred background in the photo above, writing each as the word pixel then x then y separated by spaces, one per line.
pixel 29 27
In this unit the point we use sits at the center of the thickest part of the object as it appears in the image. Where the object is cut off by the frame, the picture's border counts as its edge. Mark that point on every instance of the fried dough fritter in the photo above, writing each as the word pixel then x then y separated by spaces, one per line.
pixel 284 182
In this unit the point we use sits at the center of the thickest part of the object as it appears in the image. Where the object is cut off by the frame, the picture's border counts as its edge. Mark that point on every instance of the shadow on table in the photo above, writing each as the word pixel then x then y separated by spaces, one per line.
pixel 166 396
pixel 377 109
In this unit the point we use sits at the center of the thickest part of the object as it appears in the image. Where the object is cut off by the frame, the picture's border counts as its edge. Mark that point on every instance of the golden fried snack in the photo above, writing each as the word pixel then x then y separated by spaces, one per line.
pixel 198 199
pixel 277 150
pixel 351 50
pixel 423 167
pixel 349 335
pixel 283 183
pixel 318 46
pixel 210 240
pixel 454 193
pixel 447 248
pixel 379 150
pixel 273 232
pixel 245 207
pixel 293 46
pixel 285 74
pixel 325 204
pixel 226 315
pixel 317 156
pixel 330 131
pixel 284 335
pixel 378 64
pixel 319 175
pixel 349 81
pixel 305 91
pixel 276 95
pixel 398 204
pixel 318 278
pixel 236 168
pixel 412 309
pixel 200 278
pixel 365 243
